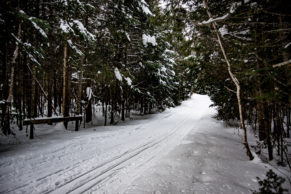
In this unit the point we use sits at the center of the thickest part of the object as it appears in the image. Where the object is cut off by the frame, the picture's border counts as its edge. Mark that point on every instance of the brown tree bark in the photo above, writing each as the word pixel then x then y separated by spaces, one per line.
pixel 64 103
pixel 105 113
pixel 49 103
pixel 89 111
pixel 79 93
pixel 262 117
pixel 50 81
pixel 122 110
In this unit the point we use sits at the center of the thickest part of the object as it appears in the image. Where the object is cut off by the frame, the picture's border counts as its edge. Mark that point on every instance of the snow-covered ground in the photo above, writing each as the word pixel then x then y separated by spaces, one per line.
pixel 182 150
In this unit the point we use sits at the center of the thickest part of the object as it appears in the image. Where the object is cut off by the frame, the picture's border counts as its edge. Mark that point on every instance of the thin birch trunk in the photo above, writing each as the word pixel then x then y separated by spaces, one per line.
pixel 15 55
pixel 235 81
pixel 6 129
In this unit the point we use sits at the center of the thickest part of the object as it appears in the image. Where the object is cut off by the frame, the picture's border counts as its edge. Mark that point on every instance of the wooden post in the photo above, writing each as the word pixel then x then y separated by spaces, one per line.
pixel 31 132
pixel 77 125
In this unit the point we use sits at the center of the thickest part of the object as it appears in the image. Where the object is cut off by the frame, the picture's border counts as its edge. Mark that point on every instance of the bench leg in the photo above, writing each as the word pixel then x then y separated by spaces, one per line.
pixel 31 132
pixel 66 124
pixel 77 125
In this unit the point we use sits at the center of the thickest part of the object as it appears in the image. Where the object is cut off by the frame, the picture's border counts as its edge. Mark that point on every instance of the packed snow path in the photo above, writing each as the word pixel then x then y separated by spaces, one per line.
pixel 182 150
pixel 104 159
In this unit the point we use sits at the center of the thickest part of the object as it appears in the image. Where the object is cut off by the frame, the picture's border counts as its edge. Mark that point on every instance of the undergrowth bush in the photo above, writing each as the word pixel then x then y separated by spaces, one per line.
pixel 272 184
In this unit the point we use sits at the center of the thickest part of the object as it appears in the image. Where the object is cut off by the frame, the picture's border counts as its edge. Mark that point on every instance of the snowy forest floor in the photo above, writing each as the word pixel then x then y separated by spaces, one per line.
pixel 182 150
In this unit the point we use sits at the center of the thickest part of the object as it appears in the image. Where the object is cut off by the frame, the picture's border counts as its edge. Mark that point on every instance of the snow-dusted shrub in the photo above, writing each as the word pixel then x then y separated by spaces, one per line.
pixel 272 184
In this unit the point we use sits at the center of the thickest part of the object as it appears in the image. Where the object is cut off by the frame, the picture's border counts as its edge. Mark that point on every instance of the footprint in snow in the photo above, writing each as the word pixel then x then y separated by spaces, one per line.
pixel 57 183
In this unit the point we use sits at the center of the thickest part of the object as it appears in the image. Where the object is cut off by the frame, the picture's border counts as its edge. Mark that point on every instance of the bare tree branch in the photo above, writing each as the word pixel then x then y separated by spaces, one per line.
pixel 282 64
pixel 279 30
pixel 230 89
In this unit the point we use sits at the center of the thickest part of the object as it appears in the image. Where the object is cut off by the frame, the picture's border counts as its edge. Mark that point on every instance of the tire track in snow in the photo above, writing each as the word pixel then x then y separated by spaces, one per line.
pixel 91 174
pixel 106 170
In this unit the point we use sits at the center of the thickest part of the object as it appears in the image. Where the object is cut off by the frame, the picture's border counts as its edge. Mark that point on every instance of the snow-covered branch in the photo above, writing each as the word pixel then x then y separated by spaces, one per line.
pixel 211 20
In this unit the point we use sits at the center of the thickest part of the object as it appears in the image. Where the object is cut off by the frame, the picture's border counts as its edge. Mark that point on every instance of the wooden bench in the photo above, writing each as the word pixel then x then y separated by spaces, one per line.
pixel 50 120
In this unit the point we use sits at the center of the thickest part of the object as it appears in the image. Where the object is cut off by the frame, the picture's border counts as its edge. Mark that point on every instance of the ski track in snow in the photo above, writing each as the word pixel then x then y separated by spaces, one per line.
pixel 101 161
pixel 182 150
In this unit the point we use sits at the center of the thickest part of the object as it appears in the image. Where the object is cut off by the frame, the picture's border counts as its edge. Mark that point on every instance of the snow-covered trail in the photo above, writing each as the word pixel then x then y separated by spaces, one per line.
pixel 101 159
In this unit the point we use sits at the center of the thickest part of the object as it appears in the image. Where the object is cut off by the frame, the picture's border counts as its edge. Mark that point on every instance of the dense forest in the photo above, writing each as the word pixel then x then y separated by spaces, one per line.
pixel 64 57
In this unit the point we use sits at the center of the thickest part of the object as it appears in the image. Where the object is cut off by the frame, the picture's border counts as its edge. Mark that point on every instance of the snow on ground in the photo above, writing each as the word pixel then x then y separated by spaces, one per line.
pixel 182 150
pixel 211 159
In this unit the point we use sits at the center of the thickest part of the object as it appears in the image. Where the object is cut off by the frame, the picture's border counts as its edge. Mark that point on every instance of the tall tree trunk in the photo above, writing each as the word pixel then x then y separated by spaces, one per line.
pixel 68 92
pixel 105 114
pixel 264 109
pixel 127 107
pixel 141 106
pixel 235 81
pixel 64 104
pixel 89 111
pixel 288 121
pixel 49 100
pixel 19 96
pixel 55 90
pixel 286 56
pixel 4 90
pixel 32 101
pixel 79 94
pixel 112 111
pixel 37 99
pixel 261 106
pixel 4 66
pixel 6 128
pixel 122 110
pixel 50 78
